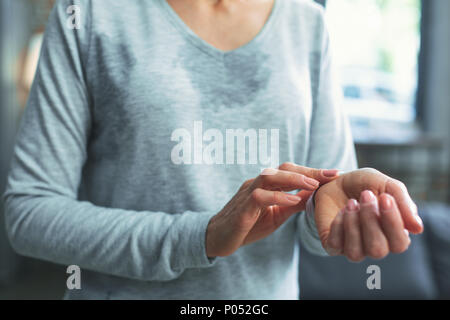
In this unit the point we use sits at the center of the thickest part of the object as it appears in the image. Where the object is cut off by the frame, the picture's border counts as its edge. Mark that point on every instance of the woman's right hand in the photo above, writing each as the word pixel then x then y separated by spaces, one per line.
pixel 261 206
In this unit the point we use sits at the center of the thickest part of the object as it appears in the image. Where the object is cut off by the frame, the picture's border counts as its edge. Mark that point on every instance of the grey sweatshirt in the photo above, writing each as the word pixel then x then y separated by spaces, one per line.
pixel 137 132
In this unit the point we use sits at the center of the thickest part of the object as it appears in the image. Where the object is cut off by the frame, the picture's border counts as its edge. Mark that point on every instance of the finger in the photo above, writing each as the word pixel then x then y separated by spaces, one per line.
pixel 335 241
pixel 301 206
pixel 353 247
pixel 287 181
pixel 407 207
pixel 264 198
pixel 321 175
pixel 246 184
pixel 374 242
pixel 260 199
pixel 392 225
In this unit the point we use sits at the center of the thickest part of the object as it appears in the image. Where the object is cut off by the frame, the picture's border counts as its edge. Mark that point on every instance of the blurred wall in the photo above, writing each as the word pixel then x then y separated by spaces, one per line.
pixel 424 164
pixel 437 94
pixel 15 29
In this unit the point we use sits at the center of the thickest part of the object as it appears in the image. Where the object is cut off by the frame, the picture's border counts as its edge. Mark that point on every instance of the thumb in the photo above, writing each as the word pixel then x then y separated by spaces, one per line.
pixel 325 212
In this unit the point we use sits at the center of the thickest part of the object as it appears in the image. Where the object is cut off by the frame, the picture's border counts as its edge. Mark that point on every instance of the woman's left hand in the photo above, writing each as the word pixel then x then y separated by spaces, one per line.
pixel 377 224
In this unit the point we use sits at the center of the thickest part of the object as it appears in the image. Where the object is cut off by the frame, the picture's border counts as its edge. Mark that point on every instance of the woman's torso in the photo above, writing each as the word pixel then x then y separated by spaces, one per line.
pixel 151 81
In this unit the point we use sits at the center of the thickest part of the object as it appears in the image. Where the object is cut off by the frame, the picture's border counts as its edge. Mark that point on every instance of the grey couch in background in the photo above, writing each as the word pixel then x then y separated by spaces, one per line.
pixel 422 272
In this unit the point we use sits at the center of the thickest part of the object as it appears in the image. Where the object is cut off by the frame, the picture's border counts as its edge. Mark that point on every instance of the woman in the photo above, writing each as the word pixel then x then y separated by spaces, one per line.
pixel 99 181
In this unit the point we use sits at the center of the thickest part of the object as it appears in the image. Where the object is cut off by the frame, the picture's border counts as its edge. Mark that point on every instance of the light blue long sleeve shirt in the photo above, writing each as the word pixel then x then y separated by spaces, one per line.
pixel 114 170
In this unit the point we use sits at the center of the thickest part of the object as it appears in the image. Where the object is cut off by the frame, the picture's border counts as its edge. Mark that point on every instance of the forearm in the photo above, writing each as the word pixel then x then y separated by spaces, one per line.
pixel 139 245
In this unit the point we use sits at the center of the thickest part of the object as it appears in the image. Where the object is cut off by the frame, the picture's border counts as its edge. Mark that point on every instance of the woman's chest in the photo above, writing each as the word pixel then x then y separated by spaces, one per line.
pixel 151 88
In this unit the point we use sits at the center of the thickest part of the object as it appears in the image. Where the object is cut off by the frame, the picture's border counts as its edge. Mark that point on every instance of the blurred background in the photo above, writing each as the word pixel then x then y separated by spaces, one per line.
pixel 394 66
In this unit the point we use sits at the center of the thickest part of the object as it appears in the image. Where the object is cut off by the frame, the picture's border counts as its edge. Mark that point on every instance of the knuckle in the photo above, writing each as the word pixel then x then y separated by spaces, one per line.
pixel 276 197
pixel 310 172
pixel 256 195
pixel 314 173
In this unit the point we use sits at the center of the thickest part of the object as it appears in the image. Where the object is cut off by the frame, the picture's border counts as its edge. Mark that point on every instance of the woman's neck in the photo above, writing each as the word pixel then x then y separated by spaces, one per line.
pixel 225 24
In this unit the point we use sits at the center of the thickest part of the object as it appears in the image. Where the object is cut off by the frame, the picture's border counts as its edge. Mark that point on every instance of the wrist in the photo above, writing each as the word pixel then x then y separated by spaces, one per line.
pixel 209 247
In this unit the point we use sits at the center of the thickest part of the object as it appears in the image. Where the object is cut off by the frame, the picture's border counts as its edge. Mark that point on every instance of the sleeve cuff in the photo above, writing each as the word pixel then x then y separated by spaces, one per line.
pixel 193 246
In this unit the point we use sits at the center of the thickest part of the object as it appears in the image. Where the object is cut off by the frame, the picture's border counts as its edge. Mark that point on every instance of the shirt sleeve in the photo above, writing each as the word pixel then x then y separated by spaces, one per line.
pixel 43 215
pixel 331 143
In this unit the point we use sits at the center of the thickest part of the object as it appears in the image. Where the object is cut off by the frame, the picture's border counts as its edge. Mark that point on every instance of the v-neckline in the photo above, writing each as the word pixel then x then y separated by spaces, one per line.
pixel 208 48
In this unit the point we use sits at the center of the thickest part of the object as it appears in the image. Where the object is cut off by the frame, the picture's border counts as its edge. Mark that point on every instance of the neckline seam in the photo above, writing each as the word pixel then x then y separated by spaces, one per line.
pixel 185 33
pixel 206 47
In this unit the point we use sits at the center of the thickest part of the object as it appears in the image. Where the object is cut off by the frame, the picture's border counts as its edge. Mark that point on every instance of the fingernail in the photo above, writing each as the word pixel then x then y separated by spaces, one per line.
pixel 312 182
pixel 330 173
pixel 386 203
pixel 368 197
pixel 293 198
pixel 269 172
pixel 419 220
pixel 352 205
pixel 406 232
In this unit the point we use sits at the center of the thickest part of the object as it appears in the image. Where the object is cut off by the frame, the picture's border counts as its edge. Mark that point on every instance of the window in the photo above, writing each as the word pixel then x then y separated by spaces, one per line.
pixel 376 47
